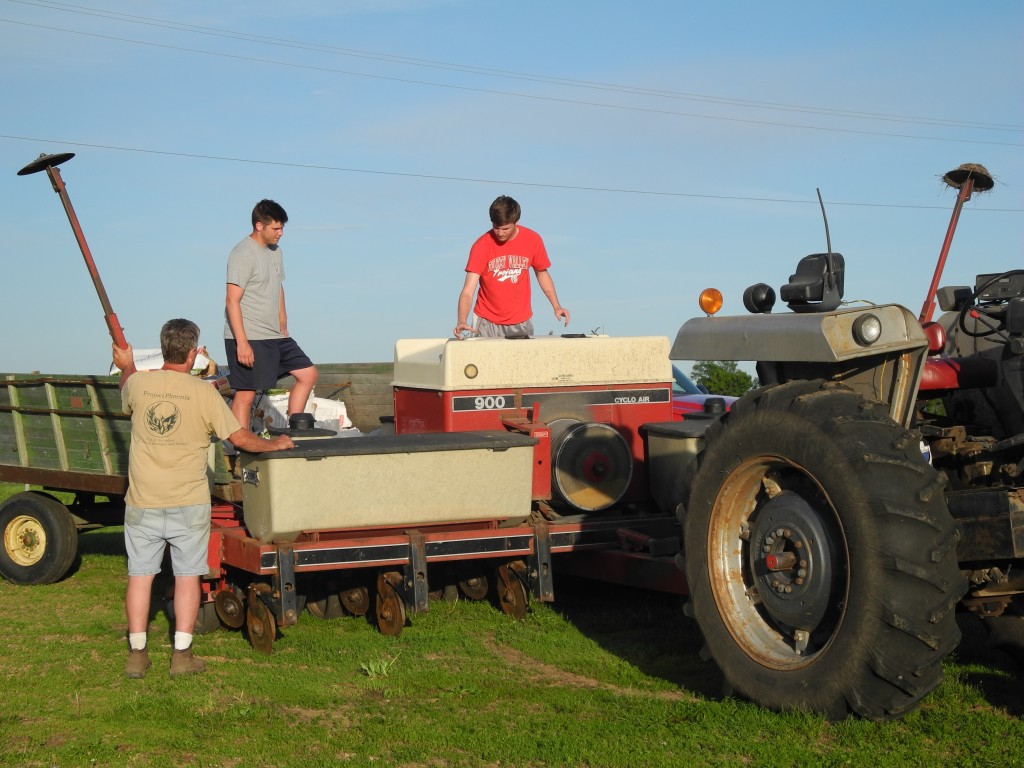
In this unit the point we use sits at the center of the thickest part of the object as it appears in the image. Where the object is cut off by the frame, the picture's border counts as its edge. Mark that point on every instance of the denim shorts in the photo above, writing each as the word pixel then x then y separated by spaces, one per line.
pixel 186 530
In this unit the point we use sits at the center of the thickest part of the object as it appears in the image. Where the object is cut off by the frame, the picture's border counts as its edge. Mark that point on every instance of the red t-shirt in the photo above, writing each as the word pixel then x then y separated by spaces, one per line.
pixel 504 269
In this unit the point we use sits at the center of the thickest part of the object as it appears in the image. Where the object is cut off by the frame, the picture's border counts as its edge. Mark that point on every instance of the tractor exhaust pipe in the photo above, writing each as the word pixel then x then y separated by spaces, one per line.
pixel 49 164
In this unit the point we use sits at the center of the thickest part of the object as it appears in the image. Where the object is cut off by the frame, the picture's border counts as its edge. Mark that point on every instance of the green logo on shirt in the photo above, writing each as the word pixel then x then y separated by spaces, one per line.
pixel 162 418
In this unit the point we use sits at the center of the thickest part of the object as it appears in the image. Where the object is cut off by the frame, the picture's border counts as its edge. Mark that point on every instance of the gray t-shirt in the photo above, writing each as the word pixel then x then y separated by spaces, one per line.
pixel 259 272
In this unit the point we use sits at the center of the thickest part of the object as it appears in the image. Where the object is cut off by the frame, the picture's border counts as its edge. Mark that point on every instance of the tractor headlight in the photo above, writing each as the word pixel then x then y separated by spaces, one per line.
pixel 867 329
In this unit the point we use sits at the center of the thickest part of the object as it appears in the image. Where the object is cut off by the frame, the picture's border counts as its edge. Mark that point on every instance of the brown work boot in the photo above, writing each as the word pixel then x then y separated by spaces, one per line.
pixel 137 664
pixel 184 663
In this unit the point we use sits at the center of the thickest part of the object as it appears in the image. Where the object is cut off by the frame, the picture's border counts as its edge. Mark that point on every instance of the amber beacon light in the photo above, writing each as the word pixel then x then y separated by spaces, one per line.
pixel 710 300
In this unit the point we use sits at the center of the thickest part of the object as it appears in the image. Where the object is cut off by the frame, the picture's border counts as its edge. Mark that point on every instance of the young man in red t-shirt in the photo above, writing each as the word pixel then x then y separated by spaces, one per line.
pixel 499 265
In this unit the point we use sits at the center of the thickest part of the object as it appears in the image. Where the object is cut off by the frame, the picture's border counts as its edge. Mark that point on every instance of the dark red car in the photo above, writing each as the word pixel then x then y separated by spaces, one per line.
pixel 687 397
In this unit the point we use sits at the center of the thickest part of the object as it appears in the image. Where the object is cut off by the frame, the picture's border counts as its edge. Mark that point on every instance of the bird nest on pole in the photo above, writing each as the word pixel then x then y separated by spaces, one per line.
pixel 983 181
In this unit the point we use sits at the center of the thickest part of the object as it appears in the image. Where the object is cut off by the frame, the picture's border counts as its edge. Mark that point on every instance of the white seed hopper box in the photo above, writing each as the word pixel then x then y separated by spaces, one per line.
pixel 386 480
pixel 544 361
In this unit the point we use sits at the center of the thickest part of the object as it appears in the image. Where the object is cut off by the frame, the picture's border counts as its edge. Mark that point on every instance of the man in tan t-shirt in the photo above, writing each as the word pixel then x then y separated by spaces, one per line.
pixel 174 416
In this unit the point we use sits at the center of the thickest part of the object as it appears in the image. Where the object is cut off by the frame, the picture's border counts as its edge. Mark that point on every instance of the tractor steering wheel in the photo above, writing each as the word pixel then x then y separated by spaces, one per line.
pixel 990 312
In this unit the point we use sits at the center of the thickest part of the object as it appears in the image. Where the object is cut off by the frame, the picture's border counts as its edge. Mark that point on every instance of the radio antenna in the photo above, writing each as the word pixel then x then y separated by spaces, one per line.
pixel 828 240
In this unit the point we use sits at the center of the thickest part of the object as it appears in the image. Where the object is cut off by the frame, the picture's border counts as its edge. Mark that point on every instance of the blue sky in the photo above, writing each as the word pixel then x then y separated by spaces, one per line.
pixel 659 147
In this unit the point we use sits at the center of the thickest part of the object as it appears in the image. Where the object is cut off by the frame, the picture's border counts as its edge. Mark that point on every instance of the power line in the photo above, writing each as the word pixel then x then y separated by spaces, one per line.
pixel 467 179
pixel 575 102
pixel 589 84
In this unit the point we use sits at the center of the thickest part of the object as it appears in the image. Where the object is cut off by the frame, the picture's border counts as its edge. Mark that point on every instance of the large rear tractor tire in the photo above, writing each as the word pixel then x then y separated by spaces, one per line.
pixel 38 539
pixel 820 555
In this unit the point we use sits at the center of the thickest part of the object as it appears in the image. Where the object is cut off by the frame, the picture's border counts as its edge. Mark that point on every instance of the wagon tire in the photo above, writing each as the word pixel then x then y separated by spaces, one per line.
pixel 821 555
pixel 38 539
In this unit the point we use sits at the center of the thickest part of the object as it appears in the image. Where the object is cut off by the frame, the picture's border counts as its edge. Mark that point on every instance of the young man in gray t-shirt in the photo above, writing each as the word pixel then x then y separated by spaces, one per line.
pixel 259 349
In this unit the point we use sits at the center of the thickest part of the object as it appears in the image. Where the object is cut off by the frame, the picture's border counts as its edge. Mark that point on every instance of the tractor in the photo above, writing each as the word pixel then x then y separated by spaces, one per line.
pixel 839 515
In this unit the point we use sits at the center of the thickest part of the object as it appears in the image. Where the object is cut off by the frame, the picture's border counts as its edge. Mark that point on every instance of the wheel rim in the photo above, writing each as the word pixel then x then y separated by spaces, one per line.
pixel 230 608
pixel 24 540
pixel 475 587
pixel 261 626
pixel 778 564
pixel 325 607
pixel 356 600
pixel 390 608
pixel 317 606
pixel 512 595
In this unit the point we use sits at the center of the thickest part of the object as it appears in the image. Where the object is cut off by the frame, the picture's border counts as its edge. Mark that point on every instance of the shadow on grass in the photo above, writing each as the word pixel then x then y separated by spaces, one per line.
pixel 97 542
pixel 645 628
pixel 1001 686
pixel 648 630
pixel 109 542
pixel 105 541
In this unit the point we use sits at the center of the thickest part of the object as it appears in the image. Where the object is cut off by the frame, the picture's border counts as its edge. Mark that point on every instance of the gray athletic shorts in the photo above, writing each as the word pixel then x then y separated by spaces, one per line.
pixel 186 530
pixel 485 329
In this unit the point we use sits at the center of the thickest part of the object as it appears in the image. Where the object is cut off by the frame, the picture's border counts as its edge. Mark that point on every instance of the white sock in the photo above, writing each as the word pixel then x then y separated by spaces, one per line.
pixel 182 640
pixel 137 640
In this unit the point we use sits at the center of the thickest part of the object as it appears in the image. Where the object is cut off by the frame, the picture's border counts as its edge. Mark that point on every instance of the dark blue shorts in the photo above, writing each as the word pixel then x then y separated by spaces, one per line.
pixel 273 358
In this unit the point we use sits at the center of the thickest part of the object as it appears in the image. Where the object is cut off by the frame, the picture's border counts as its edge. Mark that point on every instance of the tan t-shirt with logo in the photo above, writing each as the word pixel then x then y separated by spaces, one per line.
pixel 174 416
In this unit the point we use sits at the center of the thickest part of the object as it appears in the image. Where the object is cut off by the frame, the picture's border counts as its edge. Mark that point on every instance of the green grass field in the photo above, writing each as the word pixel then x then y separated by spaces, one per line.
pixel 605 676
